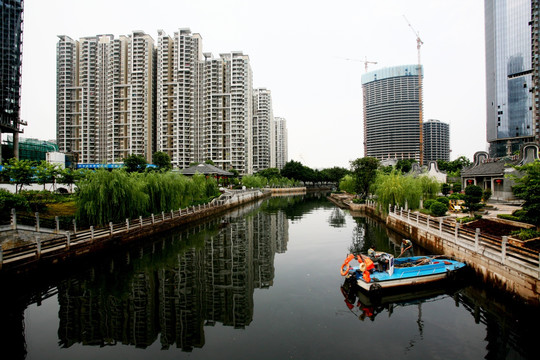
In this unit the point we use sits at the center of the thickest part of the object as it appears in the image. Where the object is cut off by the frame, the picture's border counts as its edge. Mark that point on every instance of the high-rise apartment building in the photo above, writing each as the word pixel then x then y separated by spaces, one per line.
pixel 392 128
pixel 11 13
pixel 105 97
pixel 263 130
pixel 511 30
pixel 280 148
pixel 436 141
pixel 178 96
pixel 227 116
pixel 122 96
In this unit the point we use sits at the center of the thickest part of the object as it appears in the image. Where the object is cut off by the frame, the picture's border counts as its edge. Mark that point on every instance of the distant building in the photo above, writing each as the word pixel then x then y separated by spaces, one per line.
pixel 228 108
pixel 392 128
pixel 436 141
pixel 11 13
pixel 105 97
pixel 511 30
pixel 179 111
pixel 263 130
pixel 490 173
pixel 281 147
pixel 29 149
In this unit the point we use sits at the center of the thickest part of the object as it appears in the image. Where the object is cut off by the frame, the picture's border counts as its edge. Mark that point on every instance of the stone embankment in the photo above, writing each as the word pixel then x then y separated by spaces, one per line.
pixel 502 262
pixel 25 248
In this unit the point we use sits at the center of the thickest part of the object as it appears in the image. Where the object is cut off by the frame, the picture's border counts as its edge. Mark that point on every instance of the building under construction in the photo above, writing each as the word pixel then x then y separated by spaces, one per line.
pixel 11 12
pixel 29 149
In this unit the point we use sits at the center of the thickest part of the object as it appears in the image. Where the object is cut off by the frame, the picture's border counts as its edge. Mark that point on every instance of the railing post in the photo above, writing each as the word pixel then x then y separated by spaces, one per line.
pixel 427 221
pixel 180 212
pixel 140 221
pixel 456 232
pixel 127 224
pixel 37 221
pixel 389 208
pixel 417 218
pixel 172 214
pixel 13 219
pixel 503 249
pixel 68 239
pixel 153 219
pixel 440 226
pixel 38 246
pixel 163 216
pixel 476 239
pixel 110 228
pixel 92 232
pixel 57 224
pixel 409 215
pixel 74 226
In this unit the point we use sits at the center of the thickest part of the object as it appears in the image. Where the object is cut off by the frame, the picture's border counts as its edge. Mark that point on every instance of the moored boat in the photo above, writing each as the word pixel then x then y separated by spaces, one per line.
pixel 386 272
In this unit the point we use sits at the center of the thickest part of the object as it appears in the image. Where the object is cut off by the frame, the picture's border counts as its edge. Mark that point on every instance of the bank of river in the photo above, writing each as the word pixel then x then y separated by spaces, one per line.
pixel 262 282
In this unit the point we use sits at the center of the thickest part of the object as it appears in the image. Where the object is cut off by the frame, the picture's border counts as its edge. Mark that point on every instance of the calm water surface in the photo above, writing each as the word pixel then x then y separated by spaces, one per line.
pixel 262 282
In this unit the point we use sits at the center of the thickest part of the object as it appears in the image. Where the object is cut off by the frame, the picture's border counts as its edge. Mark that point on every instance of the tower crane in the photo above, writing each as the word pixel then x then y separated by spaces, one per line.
pixel 365 61
pixel 419 43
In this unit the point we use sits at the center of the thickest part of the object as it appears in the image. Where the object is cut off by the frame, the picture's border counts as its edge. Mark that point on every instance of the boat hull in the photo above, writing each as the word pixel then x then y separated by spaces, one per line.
pixel 407 272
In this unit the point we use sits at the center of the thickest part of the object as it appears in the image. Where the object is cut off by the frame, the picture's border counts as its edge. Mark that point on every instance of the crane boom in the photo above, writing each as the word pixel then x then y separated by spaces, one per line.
pixel 365 61
pixel 419 43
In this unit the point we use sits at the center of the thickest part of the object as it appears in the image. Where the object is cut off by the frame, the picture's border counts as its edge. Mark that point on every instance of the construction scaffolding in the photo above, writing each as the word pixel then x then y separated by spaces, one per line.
pixel 29 149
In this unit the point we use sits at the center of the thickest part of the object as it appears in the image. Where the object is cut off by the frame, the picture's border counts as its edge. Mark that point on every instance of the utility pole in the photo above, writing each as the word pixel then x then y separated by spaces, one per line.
pixel 419 43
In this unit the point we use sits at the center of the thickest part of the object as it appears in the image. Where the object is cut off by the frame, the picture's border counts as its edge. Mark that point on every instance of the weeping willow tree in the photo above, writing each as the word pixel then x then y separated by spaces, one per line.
pixel 397 190
pixel 105 196
pixel 166 191
pixel 430 187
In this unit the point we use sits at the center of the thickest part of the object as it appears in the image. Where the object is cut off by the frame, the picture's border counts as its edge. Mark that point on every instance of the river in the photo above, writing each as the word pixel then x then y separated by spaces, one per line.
pixel 261 282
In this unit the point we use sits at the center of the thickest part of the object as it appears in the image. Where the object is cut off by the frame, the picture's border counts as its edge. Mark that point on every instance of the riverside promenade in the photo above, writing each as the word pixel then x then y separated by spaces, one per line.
pixel 45 247
pixel 507 264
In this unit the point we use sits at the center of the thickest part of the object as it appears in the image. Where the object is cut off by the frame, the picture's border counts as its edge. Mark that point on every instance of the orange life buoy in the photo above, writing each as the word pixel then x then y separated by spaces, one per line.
pixel 345 267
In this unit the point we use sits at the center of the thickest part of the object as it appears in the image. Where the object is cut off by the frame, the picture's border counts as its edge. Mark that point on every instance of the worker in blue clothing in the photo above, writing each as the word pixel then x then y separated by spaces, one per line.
pixel 406 248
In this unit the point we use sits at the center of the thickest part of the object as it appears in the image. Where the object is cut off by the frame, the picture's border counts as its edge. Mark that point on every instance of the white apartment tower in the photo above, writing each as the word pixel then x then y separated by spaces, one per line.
pixel 178 96
pixel 263 131
pixel 105 97
pixel 280 147
pixel 227 116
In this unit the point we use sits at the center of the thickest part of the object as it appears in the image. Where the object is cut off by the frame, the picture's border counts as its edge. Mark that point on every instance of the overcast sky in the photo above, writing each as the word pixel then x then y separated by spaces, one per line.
pixel 299 50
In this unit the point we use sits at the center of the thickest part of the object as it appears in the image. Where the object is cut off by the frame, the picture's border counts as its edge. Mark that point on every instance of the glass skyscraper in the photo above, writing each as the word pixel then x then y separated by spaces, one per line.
pixel 11 12
pixel 510 90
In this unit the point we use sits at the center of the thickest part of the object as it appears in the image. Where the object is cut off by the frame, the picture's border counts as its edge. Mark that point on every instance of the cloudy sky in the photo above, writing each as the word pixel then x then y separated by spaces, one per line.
pixel 309 53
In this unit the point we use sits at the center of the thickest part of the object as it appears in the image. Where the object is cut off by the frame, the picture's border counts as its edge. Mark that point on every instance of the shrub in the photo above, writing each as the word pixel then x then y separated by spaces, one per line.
pixel 526 234
pixel 10 201
pixel 438 208
pixel 38 200
pixel 456 196
pixel 443 200
pixel 467 219
pixel 508 217
pixel 486 195
pixel 428 203
pixel 359 201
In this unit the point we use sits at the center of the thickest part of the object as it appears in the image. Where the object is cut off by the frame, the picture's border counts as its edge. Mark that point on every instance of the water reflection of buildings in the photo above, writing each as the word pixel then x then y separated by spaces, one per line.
pixel 175 292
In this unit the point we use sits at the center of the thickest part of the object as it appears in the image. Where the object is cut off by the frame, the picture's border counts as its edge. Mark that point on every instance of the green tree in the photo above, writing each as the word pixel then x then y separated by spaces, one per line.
pixel 364 172
pixel 527 187
pixel 472 198
pixel 438 209
pixel 162 160
pixel 46 172
pixel 335 174
pixel 347 184
pixel 269 173
pixel 430 186
pixel 294 170
pixel 405 165
pixel 445 189
pixel 135 163
pixel 19 172
pixel 105 196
